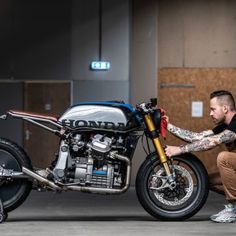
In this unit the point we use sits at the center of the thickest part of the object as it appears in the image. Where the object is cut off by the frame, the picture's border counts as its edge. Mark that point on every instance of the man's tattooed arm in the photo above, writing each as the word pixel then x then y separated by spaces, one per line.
pixel 187 135
pixel 210 142
pixel 202 145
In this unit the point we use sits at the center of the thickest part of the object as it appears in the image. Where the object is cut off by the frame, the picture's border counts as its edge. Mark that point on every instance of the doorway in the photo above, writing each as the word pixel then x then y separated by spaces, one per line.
pixel 51 98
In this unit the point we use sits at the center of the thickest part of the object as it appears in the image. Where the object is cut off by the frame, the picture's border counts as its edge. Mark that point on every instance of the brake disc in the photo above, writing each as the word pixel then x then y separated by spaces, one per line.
pixel 177 196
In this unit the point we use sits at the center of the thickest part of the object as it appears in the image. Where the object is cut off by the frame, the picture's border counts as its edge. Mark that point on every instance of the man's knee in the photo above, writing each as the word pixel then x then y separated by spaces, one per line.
pixel 222 158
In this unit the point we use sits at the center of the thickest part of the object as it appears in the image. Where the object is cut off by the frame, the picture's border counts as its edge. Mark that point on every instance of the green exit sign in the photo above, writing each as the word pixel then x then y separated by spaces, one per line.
pixel 100 65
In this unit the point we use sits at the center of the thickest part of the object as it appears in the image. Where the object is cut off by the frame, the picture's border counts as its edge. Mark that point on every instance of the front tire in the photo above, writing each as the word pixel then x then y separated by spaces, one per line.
pixel 13 192
pixel 180 203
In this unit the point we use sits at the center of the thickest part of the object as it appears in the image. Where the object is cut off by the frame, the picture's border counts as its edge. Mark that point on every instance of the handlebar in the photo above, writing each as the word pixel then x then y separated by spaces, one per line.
pixel 147 107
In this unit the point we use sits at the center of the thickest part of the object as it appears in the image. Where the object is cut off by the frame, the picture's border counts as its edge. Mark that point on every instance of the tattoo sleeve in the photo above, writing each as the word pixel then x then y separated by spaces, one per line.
pixel 210 142
pixel 187 135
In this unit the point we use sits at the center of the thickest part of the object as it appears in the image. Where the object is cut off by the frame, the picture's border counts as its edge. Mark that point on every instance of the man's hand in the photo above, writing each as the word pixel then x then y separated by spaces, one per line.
pixel 166 118
pixel 172 151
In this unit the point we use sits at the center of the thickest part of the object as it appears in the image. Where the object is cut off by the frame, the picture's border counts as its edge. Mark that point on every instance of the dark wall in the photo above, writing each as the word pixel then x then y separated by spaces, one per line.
pixel 57 40
pixel 35 39
pixel 11 97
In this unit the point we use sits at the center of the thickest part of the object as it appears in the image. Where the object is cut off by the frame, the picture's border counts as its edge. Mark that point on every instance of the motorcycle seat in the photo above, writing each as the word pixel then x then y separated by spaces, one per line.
pixel 32 115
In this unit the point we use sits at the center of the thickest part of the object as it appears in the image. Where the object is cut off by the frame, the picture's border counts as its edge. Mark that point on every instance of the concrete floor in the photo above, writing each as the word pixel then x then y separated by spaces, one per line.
pixel 76 213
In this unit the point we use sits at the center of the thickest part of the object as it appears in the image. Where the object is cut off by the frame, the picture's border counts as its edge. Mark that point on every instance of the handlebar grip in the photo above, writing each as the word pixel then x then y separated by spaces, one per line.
pixel 153 101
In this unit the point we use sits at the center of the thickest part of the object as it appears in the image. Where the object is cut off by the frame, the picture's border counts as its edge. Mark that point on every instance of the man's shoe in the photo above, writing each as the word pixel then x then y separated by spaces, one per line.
pixel 227 215
pixel 228 208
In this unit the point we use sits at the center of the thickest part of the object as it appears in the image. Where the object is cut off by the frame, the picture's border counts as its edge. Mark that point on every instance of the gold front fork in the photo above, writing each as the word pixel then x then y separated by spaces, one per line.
pixel 157 144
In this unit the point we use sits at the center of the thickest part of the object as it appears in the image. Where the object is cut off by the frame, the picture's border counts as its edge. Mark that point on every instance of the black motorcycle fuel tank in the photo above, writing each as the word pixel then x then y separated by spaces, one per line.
pixel 103 115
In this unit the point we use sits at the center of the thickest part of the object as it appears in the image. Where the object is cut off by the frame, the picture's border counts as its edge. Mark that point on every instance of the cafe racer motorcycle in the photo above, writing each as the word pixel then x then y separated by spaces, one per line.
pixel 97 141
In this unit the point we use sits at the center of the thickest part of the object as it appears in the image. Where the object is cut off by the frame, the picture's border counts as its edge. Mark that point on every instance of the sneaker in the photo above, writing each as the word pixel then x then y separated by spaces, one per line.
pixel 228 208
pixel 227 215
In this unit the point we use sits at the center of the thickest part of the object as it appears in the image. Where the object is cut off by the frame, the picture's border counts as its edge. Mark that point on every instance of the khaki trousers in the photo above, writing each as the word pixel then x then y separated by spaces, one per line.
pixel 224 182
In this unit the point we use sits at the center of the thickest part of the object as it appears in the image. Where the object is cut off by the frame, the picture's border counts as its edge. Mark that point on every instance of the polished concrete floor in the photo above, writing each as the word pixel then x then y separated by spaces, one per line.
pixel 76 213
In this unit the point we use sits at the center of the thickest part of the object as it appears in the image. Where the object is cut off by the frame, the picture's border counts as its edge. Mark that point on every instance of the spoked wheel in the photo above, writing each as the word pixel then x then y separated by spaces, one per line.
pixel 13 192
pixel 177 202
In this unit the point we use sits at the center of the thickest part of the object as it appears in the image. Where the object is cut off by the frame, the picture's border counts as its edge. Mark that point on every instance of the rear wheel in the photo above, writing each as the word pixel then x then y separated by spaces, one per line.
pixel 13 192
pixel 180 202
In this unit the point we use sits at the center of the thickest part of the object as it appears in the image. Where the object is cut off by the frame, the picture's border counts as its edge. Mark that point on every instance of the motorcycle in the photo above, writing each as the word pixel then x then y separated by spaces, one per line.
pixel 97 141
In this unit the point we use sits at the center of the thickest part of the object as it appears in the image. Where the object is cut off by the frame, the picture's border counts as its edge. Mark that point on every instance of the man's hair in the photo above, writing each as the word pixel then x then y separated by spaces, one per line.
pixel 225 97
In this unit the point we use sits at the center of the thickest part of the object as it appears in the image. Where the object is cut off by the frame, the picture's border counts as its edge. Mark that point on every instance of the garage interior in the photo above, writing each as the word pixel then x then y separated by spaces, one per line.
pixel 176 50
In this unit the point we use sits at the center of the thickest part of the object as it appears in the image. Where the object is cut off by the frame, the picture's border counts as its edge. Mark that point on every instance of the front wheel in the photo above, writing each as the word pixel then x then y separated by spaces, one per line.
pixel 172 203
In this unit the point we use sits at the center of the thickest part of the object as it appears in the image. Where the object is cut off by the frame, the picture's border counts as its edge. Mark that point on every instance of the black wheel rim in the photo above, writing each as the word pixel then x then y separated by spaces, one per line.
pixel 9 190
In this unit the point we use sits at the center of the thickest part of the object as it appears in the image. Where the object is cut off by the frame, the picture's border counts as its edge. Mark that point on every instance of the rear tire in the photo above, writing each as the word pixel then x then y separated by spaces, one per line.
pixel 180 203
pixel 13 192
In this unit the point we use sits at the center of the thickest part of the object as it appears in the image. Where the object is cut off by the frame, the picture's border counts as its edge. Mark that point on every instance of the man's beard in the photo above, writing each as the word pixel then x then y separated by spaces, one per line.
pixel 218 122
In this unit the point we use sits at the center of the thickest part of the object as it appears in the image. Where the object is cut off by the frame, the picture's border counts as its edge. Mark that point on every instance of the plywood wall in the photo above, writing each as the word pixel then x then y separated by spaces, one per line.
pixel 197 34
pixel 178 87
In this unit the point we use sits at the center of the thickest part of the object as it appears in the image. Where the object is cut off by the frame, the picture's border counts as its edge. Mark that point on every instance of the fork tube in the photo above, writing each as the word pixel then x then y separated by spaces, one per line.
pixel 157 143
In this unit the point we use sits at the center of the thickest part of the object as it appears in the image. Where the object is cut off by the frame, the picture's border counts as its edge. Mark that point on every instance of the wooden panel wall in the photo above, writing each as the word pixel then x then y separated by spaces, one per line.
pixel 51 98
pixel 178 87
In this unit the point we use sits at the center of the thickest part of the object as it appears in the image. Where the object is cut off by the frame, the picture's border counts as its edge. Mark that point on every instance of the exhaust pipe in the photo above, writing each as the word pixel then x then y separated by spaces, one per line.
pixel 107 190
pixel 40 178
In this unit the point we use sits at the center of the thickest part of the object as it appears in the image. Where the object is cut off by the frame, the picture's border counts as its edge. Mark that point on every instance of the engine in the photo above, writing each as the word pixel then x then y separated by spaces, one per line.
pixel 89 160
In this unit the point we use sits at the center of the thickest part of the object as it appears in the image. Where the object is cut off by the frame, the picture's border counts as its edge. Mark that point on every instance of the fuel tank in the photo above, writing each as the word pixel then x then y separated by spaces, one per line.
pixel 101 115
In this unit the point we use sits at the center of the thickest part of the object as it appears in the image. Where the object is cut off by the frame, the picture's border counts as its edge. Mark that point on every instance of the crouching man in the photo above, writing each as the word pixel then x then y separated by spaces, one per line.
pixel 223 113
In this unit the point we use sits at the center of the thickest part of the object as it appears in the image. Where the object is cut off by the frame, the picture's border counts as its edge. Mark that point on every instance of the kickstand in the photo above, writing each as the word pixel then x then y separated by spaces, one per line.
pixel 3 213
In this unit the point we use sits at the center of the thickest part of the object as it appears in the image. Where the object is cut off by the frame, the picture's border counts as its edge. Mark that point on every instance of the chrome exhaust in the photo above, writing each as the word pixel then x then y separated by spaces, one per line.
pixel 40 178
